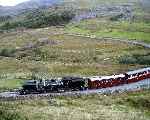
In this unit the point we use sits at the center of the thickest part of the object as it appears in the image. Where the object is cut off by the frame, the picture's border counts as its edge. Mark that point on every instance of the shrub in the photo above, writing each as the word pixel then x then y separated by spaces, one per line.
pixel 144 60
pixel 135 59
pixel 117 17
pixel 127 60
pixel 139 102
pixel 7 52
pixel 39 18
pixel 8 115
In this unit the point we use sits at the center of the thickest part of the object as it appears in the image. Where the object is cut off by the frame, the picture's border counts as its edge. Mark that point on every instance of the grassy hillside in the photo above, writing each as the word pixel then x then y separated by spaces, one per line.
pixel 46 52
pixel 126 106
pixel 26 5
pixel 54 50
pixel 37 18
pixel 49 52
pixel 135 26
pixel 127 19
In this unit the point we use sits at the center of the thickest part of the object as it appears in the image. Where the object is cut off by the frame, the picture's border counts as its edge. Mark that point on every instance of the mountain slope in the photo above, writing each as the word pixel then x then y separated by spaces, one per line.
pixel 32 4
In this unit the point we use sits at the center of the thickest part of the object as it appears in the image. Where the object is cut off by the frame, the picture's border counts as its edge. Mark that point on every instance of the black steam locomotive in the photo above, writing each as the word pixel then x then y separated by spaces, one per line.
pixel 54 85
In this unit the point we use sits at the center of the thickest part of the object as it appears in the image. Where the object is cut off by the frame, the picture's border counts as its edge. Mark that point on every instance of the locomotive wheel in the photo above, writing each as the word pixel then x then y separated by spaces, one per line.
pixel 61 90
pixel 42 91
pixel 23 92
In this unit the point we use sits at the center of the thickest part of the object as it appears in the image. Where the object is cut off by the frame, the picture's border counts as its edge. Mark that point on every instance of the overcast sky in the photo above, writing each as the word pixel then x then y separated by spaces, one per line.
pixel 11 2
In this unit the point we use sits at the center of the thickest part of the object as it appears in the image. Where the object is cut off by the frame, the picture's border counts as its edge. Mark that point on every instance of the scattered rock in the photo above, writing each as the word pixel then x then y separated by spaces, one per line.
pixel 40 42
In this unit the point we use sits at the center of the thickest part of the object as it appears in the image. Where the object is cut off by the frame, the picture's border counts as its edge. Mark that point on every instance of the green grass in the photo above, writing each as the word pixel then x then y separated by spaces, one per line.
pixel 124 30
pixel 137 28
pixel 137 100
pixel 7 84
pixel 67 50
pixel 127 106
pixel 63 55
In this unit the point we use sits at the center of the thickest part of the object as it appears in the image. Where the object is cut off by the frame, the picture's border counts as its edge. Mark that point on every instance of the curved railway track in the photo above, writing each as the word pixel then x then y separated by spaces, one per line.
pixel 144 84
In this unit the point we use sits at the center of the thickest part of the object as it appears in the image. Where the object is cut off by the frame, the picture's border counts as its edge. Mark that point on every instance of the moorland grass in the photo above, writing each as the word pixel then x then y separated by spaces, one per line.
pixel 104 28
pixel 10 84
pixel 126 106
pixel 48 52
pixel 62 55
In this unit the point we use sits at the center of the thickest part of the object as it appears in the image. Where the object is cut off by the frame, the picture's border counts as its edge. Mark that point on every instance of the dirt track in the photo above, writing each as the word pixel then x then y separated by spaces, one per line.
pixel 133 42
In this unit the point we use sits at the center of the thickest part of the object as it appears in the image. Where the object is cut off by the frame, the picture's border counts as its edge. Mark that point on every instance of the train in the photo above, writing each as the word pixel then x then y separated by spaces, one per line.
pixel 71 83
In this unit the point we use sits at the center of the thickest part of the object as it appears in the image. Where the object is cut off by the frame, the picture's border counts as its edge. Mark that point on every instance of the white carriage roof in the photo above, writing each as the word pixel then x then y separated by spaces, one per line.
pixel 98 78
pixel 138 71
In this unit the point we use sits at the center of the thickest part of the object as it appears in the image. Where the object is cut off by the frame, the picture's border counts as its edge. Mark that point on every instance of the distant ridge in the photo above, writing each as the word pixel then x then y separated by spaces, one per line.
pixel 32 4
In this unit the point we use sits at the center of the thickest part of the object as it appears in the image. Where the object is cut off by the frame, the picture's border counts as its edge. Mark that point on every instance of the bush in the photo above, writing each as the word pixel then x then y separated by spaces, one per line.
pixel 7 52
pixel 38 19
pixel 117 17
pixel 8 115
pixel 135 59
pixel 127 60
pixel 139 102
pixel 144 60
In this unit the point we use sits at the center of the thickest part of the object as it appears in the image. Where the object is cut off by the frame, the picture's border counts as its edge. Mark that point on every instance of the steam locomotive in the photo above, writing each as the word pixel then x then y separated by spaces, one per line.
pixel 83 83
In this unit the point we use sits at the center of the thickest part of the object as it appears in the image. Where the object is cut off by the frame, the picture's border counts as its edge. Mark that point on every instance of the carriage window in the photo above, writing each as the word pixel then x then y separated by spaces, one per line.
pixel 145 72
pixel 133 75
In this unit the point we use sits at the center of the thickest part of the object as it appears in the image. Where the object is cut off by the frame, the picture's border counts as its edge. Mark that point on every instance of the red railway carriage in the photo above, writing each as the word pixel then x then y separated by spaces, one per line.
pixel 138 75
pixel 97 82
pixel 148 74
pixel 106 81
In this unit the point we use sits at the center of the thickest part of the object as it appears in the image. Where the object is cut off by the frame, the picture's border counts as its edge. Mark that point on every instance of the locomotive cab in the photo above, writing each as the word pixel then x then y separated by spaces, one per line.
pixel 29 86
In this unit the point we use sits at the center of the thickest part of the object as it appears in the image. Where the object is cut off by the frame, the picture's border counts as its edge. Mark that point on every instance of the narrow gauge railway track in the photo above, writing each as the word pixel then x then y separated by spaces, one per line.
pixel 129 81
pixel 144 84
